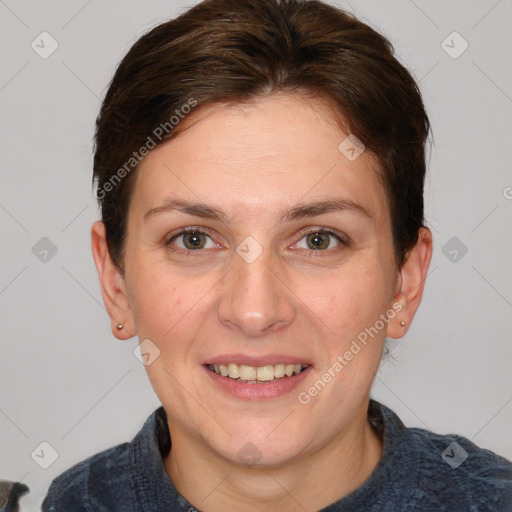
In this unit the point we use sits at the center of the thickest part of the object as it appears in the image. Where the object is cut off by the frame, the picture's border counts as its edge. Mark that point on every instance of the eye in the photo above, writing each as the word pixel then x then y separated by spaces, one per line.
pixel 192 239
pixel 320 240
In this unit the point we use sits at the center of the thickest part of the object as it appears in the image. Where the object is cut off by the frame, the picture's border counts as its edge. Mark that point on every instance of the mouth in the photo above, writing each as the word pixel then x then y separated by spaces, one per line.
pixel 266 374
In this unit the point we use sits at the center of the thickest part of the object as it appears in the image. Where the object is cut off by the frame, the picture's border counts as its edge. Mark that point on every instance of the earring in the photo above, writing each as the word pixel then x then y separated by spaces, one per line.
pixel 402 324
pixel 119 326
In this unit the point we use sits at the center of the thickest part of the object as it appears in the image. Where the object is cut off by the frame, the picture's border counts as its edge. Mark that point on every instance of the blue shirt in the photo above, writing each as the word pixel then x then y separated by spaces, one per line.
pixel 418 471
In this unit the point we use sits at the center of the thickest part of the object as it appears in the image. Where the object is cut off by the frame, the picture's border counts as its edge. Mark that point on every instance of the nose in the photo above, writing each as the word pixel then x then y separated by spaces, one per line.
pixel 255 298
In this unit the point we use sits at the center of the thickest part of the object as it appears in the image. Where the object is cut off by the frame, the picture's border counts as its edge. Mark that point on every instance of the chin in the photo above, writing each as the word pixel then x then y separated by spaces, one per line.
pixel 261 449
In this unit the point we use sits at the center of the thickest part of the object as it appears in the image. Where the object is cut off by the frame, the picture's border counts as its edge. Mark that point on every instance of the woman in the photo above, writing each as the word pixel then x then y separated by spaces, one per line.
pixel 260 170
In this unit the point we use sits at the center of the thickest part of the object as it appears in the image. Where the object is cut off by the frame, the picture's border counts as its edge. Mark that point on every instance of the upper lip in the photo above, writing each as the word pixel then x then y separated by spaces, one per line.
pixel 264 360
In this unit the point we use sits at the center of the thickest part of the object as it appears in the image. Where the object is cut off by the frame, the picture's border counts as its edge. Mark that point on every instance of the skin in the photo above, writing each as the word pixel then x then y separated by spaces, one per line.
pixel 254 162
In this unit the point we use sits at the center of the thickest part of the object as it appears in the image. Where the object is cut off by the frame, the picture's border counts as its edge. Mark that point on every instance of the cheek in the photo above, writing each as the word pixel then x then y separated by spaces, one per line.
pixel 350 300
pixel 351 305
pixel 157 300
pixel 167 305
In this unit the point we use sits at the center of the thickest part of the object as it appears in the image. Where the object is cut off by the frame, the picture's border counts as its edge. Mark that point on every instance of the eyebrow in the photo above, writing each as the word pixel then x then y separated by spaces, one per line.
pixel 299 211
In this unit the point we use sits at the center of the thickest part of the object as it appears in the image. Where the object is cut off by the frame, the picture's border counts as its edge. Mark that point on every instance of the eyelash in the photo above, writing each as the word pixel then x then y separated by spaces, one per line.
pixel 342 239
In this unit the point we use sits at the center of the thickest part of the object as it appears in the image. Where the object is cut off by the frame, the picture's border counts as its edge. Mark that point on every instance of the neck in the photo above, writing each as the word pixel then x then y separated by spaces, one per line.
pixel 214 484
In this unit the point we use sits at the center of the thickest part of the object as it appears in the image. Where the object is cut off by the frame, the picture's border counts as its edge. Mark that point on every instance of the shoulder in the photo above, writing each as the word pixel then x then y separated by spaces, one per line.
pixel 458 456
pixel 455 472
pixel 117 478
pixel 88 486
pixel 423 471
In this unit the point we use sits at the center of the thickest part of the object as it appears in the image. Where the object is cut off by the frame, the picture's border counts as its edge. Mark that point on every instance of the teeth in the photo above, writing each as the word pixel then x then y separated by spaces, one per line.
pixel 233 371
pixel 253 374
pixel 247 372
pixel 278 371
pixel 265 373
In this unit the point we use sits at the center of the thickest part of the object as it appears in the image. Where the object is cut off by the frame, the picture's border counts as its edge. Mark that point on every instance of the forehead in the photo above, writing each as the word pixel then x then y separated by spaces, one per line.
pixel 265 155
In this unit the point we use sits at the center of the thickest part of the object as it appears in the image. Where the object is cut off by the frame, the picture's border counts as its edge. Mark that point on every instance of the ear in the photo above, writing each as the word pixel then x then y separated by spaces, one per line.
pixel 113 287
pixel 411 284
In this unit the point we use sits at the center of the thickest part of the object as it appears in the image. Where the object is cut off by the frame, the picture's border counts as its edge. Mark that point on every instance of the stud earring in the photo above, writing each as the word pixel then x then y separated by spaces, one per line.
pixel 402 324
pixel 119 326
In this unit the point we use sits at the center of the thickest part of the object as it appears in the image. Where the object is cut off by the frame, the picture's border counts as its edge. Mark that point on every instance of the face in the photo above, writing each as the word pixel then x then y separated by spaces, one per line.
pixel 256 247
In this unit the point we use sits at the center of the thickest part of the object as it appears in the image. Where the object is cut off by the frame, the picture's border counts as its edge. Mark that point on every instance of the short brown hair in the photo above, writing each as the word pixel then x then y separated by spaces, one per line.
pixel 239 50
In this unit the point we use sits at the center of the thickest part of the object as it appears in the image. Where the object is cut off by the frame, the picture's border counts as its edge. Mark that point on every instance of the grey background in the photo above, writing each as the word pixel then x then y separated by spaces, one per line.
pixel 66 381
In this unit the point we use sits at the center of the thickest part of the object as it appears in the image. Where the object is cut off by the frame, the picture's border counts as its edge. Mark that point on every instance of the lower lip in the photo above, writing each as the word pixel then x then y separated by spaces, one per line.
pixel 273 389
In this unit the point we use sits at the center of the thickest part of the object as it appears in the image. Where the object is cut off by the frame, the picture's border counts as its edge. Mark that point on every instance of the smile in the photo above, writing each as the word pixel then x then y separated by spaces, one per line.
pixel 257 374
